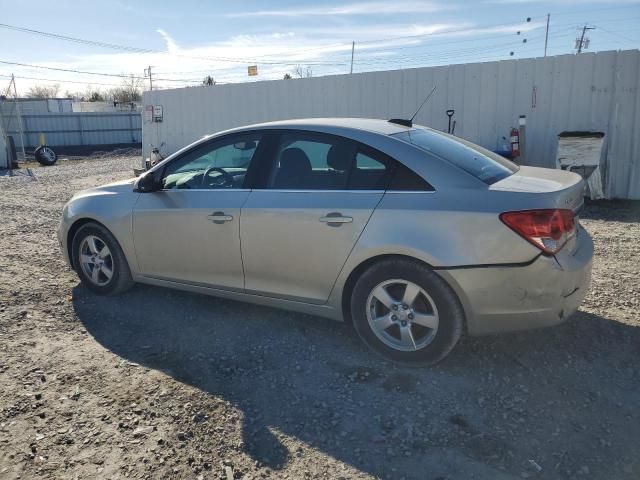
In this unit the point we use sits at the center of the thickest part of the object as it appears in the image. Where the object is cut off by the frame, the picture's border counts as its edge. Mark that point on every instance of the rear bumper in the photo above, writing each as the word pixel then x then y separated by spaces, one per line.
pixel 543 293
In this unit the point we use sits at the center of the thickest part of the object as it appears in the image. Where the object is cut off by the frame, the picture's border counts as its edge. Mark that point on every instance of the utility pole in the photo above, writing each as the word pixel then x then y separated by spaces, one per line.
pixel 147 73
pixel 18 116
pixel 353 47
pixel 546 35
pixel 582 42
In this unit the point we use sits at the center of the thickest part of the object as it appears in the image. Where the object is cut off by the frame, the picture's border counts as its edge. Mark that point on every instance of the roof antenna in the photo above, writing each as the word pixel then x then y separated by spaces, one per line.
pixel 409 123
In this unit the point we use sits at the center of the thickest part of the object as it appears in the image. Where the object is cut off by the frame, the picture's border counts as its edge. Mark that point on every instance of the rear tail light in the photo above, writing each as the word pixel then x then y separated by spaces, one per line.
pixel 548 230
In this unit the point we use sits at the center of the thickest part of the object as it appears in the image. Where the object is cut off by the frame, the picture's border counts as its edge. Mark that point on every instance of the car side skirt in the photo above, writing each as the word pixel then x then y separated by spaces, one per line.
pixel 325 311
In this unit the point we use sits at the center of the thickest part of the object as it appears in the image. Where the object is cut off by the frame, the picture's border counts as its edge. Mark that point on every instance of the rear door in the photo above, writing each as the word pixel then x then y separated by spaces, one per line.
pixel 299 225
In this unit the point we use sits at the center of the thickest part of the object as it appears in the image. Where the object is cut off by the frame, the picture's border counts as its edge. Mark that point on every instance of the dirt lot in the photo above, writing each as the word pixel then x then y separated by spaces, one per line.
pixel 163 384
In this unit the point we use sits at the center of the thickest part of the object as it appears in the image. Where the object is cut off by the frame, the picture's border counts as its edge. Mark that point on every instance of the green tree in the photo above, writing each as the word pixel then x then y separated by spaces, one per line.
pixel 95 96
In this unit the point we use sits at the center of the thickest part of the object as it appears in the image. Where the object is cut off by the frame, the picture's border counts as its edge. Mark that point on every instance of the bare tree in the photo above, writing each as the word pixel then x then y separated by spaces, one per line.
pixel 130 91
pixel 301 72
pixel 209 80
pixel 287 76
pixel 71 95
pixel 43 91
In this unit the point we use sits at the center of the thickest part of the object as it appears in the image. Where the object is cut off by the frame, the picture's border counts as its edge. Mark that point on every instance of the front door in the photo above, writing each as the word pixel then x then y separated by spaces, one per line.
pixel 299 228
pixel 189 231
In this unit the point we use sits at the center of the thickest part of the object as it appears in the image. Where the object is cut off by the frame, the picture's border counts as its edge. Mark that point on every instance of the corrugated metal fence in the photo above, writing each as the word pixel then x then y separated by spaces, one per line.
pixel 71 129
pixel 588 92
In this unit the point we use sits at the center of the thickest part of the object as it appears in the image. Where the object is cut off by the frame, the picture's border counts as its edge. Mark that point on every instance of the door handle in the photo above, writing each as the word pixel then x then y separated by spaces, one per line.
pixel 220 217
pixel 335 219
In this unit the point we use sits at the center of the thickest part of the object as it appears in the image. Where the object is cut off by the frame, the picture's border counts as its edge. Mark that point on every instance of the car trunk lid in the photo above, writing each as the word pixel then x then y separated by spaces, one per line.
pixel 556 188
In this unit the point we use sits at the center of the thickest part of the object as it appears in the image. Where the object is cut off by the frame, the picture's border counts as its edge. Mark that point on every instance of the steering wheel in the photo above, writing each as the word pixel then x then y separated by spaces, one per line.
pixel 228 178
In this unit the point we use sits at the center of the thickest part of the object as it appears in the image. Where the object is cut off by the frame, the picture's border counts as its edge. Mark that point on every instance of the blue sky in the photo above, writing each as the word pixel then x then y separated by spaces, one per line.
pixel 192 38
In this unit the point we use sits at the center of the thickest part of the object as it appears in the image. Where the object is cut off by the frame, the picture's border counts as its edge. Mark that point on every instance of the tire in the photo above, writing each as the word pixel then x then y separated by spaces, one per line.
pixel 89 241
pixel 402 335
pixel 45 155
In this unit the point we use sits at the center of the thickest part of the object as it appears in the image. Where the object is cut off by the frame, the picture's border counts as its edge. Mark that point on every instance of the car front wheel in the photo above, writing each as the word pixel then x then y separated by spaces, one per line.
pixel 406 312
pixel 99 260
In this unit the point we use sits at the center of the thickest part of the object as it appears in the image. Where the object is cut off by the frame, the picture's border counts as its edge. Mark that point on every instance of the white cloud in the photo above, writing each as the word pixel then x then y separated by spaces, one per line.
pixel 172 46
pixel 304 46
pixel 360 8
pixel 565 2
pixel 370 32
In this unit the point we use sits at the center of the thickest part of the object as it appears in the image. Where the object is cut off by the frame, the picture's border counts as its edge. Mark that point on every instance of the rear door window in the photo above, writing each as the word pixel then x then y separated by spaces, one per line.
pixel 371 170
pixel 406 180
pixel 311 161
pixel 473 159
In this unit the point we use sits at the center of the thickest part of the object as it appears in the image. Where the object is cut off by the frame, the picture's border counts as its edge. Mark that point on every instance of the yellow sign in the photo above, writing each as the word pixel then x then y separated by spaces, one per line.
pixel 253 70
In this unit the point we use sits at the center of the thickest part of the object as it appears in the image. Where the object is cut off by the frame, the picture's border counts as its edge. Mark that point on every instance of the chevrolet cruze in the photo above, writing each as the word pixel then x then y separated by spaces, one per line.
pixel 413 235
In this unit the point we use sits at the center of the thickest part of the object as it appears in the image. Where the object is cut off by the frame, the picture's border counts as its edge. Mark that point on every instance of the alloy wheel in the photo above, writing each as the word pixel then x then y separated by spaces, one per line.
pixel 96 260
pixel 402 315
pixel 48 153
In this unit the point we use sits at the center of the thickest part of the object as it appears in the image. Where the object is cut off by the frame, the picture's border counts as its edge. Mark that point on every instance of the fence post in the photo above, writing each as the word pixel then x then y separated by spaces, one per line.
pixel 24 132
pixel 131 130
pixel 80 129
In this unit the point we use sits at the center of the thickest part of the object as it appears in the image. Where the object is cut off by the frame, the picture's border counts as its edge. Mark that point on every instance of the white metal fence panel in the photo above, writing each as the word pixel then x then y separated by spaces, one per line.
pixel 589 92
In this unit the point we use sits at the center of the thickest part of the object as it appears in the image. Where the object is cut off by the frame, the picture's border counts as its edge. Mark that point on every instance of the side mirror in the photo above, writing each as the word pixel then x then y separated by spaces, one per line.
pixel 146 183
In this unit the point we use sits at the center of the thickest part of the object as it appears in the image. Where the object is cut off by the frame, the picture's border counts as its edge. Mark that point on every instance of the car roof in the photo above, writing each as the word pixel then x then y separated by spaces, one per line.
pixel 382 127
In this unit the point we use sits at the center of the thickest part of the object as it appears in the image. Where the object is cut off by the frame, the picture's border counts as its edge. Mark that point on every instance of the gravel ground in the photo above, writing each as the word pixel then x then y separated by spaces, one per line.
pixel 164 384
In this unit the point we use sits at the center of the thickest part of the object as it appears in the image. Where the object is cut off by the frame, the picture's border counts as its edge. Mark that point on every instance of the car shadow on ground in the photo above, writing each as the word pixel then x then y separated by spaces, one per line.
pixel 482 412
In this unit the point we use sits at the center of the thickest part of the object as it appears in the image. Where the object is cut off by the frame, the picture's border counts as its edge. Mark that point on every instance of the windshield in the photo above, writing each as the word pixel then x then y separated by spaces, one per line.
pixel 479 162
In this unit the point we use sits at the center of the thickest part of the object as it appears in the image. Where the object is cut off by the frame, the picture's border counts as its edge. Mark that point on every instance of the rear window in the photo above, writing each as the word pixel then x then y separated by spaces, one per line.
pixel 479 162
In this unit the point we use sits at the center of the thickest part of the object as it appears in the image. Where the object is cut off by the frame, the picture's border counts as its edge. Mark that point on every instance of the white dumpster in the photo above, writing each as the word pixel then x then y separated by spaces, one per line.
pixel 581 152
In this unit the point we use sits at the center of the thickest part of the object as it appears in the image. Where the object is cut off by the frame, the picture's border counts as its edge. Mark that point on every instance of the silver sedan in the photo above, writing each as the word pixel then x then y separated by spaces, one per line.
pixel 412 235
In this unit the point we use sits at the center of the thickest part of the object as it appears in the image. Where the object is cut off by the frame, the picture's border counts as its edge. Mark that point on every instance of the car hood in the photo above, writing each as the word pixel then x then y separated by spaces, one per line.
pixel 122 186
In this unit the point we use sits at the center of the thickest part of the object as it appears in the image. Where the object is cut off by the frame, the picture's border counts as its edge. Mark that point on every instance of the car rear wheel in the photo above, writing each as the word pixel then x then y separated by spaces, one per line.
pixel 99 261
pixel 406 312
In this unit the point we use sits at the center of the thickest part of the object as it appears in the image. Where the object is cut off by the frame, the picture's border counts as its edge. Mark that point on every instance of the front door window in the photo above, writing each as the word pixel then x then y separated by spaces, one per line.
pixel 215 165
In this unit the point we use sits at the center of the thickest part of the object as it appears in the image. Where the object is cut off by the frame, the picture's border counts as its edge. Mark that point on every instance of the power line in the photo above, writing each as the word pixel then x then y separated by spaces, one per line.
pixel 63 81
pixel 347 49
pixel 441 57
pixel 463 52
pixel 367 52
pixel 589 10
pixel 121 75
pixel 74 39
pixel 367 61
pixel 623 37
pixel 346 45
pixel 131 49
pixel 238 60
pixel 473 39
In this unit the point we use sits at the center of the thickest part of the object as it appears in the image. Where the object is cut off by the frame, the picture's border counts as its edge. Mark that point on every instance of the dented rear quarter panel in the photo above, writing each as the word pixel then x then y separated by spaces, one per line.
pixel 543 293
